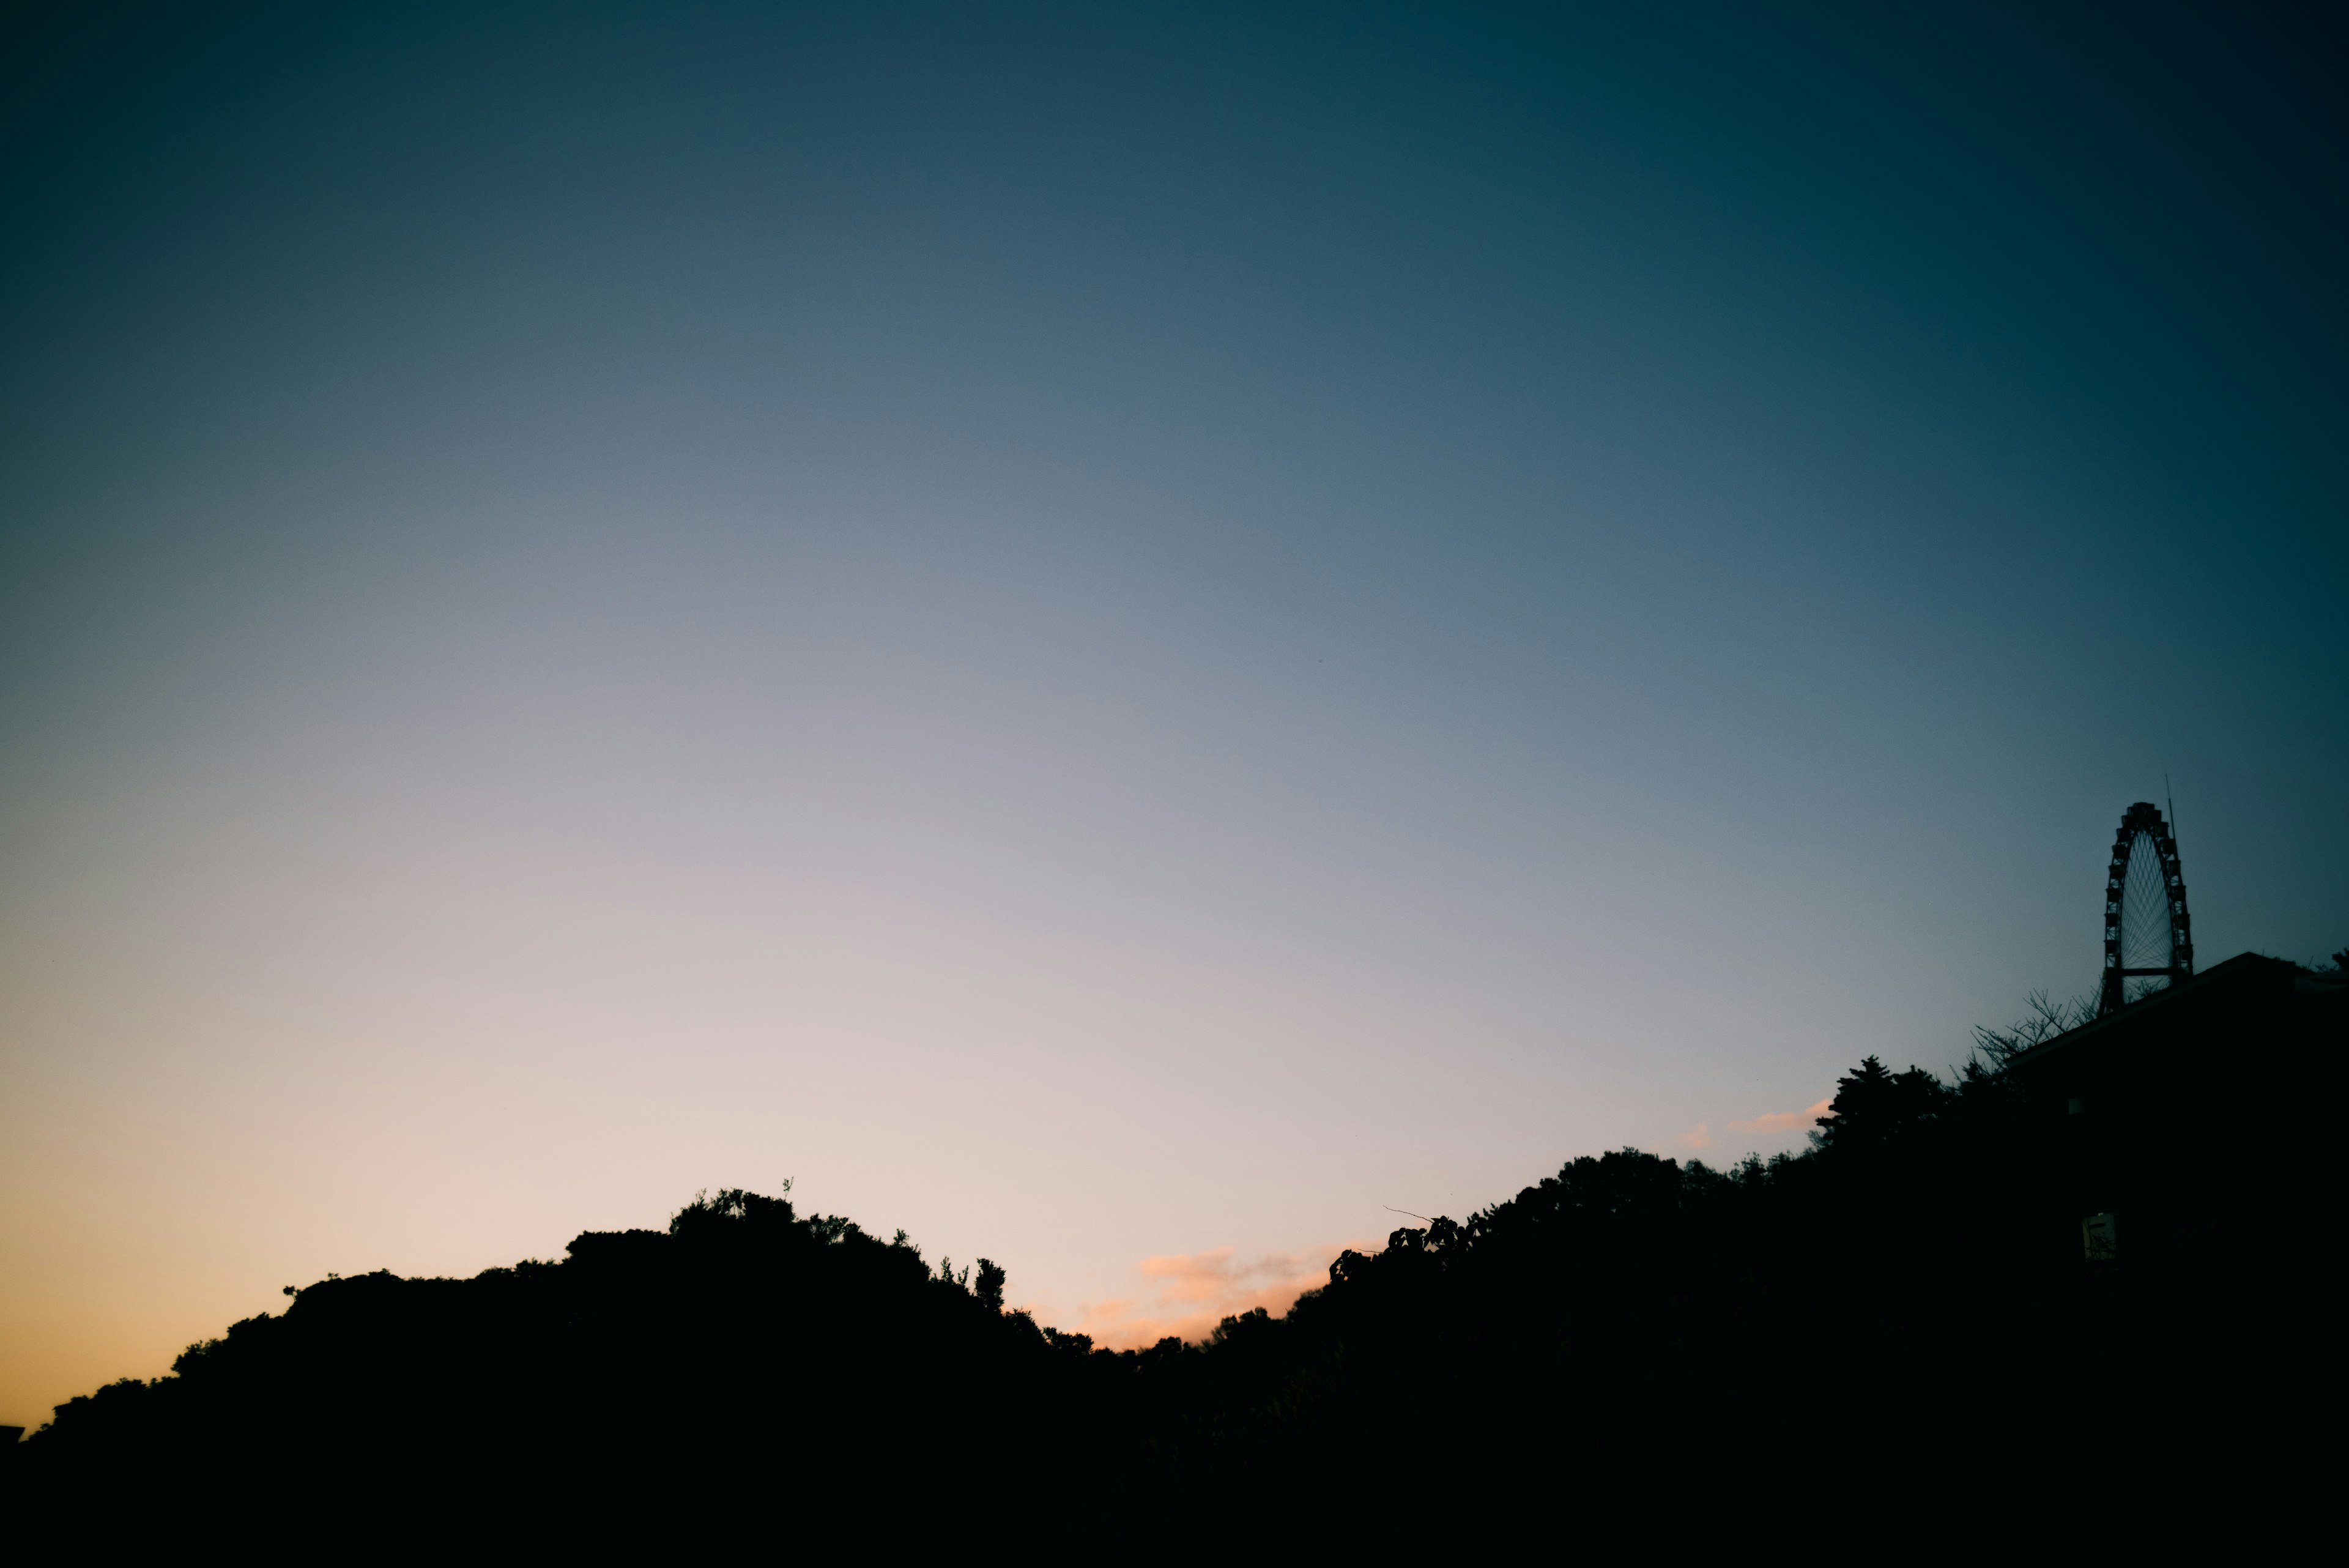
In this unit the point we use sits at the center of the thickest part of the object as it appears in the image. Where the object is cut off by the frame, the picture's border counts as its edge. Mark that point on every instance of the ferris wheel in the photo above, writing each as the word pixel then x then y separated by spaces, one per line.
pixel 2148 936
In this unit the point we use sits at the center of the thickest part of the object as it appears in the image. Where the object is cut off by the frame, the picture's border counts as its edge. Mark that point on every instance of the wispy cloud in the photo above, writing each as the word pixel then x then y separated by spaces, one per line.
pixel 1784 1121
pixel 1186 1294
pixel 1698 1137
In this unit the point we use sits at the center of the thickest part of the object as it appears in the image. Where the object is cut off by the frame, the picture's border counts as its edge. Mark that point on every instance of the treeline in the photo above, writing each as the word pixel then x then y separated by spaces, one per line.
pixel 1904 1283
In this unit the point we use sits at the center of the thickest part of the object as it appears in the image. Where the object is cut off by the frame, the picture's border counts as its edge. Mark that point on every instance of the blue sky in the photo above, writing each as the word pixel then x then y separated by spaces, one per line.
pixel 1105 638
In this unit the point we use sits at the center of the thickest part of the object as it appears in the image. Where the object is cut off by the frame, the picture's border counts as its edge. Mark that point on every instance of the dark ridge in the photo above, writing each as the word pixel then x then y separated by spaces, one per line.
pixel 1915 1299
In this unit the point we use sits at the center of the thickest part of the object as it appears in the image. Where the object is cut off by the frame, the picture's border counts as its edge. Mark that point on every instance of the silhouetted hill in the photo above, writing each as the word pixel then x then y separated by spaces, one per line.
pixel 1905 1296
pixel 743 1336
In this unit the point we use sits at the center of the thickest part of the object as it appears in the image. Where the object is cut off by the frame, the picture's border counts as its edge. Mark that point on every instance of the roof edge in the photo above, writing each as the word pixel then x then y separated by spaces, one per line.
pixel 2136 1009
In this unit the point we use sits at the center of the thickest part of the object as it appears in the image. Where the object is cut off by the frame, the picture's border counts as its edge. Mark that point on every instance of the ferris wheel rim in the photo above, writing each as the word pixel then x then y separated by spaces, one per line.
pixel 2143 822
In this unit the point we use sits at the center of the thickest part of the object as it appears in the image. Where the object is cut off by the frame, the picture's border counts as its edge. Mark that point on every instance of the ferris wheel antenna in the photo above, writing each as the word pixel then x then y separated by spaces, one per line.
pixel 2167 800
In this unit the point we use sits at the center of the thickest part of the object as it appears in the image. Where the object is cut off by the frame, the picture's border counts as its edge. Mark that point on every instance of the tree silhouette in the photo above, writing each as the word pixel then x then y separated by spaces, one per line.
pixel 1916 1274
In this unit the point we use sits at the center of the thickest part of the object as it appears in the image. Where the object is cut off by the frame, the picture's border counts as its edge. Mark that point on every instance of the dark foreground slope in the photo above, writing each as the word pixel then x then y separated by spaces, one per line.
pixel 743 1337
pixel 1902 1299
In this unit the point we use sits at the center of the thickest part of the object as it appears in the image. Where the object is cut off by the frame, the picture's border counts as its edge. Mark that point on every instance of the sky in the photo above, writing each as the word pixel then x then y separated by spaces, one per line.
pixel 1127 638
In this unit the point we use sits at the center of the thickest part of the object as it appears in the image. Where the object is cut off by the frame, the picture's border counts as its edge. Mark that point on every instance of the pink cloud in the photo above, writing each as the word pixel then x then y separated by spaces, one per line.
pixel 1784 1121
pixel 1186 1294
pixel 1698 1137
